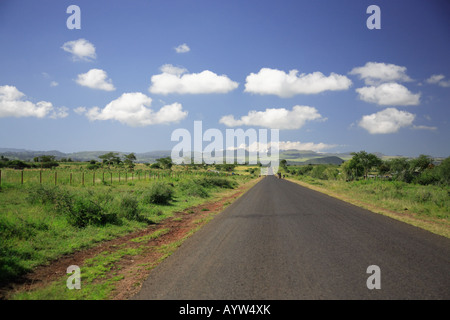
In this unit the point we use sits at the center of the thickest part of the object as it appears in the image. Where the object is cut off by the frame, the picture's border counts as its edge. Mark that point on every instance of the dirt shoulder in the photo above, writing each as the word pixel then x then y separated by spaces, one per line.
pixel 153 245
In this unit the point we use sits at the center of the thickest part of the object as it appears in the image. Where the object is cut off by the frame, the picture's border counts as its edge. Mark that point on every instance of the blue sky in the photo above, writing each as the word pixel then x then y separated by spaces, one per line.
pixel 309 68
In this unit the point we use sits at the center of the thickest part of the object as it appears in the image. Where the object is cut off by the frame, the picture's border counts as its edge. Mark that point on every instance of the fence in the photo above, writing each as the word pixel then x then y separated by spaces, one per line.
pixel 84 178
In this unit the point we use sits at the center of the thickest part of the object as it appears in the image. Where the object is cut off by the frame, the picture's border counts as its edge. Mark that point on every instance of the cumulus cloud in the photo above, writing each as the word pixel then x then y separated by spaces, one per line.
pixel 421 127
pixel 54 84
pixel 285 85
pixel 389 120
pixel 389 94
pixel 95 79
pixel 176 80
pixel 182 48
pixel 13 104
pixel 80 49
pixel 60 112
pixel 275 118
pixel 374 73
pixel 133 109
pixel 297 145
pixel 285 145
pixel 439 80
pixel 80 110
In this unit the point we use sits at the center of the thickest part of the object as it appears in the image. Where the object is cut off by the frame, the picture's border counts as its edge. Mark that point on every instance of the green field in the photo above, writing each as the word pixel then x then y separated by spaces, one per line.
pixel 41 221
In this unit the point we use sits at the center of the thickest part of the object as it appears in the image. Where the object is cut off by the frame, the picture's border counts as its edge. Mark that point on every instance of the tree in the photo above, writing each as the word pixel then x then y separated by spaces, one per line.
pixel 421 163
pixel 366 161
pixel 165 163
pixel 110 158
pixel 46 161
pixel 444 171
pixel 399 168
pixel 129 158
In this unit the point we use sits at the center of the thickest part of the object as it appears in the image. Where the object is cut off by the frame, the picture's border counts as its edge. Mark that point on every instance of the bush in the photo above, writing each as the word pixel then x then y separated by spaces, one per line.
pixel 84 212
pixel 193 189
pixel 129 208
pixel 209 182
pixel 79 211
pixel 49 195
pixel 428 176
pixel 158 193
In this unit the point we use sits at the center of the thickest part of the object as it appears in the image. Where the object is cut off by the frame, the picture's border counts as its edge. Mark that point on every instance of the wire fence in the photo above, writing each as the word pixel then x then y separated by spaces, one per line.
pixel 93 177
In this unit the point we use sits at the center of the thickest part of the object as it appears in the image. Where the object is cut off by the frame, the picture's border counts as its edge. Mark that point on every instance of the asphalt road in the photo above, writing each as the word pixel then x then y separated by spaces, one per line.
pixel 282 241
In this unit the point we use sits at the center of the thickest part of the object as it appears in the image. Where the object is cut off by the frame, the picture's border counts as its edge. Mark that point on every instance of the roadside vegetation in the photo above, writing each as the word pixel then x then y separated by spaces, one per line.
pixel 416 188
pixel 41 221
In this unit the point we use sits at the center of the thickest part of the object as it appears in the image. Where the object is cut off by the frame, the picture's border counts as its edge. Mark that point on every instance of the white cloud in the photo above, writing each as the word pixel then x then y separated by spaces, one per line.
pixel 59 113
pixel 285 85
pixel 80 49
pixel 182 48
pixel 13 104
pixel 389 120
pixel 171 69
pixel 80 110
pixel 297 145
pixel 133 110
pixel 374 73
pixel 389 94
pixel 275 118
pixel 424 128
pixel 95 79
pixel 54 84
pixel 439 80
pixel 176 80
pixel 285 145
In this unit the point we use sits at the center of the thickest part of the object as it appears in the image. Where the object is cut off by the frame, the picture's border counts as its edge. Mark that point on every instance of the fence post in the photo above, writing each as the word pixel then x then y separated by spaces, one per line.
pixel 40 176
pixel 70 180
pixel 119 176
pixel 0 177
pixel 82 178
pixel 93 179
pixel 56 178
pixel 21 177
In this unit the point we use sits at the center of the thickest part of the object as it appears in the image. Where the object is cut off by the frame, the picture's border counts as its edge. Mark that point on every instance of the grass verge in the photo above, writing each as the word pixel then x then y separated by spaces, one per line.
pixel 426 207
pixel 116 268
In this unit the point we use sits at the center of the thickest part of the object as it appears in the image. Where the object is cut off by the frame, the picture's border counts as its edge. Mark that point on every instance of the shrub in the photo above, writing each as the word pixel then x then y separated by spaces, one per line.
pixel 84 212
pixel 79 211
pixel 49 195
pixel 158 193
pixel 209 182
pixel 193 189
pixel 129 208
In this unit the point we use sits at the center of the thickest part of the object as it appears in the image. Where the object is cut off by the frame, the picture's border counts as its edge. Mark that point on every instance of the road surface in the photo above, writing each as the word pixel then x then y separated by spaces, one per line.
pixel 282 241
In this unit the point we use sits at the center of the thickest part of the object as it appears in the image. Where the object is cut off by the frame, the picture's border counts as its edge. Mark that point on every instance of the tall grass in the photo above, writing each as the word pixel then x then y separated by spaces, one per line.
pixel 39 223
pixel 424 200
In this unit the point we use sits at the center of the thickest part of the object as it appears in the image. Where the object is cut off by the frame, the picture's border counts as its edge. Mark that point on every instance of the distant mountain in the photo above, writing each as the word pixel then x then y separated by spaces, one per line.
pixel 28 155
pixel 292 156
pixel 324 160
pixel 305 155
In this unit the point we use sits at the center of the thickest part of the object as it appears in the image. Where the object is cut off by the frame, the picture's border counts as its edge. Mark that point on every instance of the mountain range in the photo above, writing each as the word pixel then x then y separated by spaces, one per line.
pixel 292 156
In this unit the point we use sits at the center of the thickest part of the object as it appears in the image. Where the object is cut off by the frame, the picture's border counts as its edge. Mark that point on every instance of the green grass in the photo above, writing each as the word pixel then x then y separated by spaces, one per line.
pixel 96 280
pixel 427 203
pixel 151 236
pixel 40 225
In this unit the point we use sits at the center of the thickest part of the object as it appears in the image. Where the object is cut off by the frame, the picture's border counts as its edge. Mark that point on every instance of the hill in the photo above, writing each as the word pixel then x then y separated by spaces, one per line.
pixel 324 160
